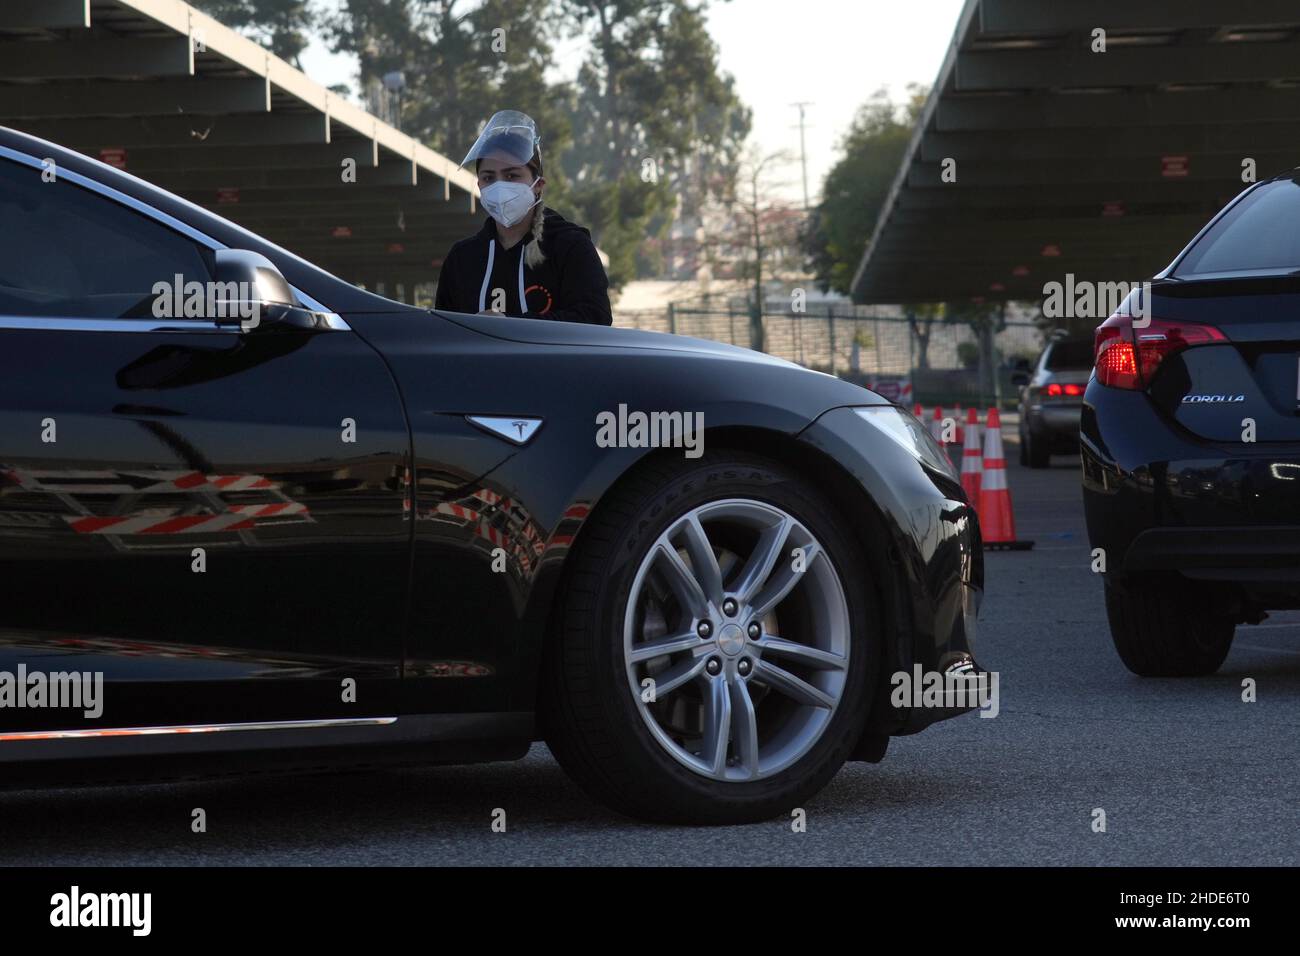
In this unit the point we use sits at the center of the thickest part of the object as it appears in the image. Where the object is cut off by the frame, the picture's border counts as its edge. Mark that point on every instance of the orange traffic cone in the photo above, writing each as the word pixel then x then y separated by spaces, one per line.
pixel 918 411
pixel 997 522
pixel 972 458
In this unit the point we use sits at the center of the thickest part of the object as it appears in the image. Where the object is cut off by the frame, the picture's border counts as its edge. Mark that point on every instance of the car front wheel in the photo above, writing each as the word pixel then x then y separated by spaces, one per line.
pixel 716 646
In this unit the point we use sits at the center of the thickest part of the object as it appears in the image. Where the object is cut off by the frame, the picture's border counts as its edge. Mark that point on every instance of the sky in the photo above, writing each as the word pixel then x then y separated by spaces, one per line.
pixel 832 54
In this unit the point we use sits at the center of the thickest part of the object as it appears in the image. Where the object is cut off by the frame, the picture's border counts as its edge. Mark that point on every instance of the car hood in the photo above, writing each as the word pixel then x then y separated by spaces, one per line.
pixel 830 390
pixel 538 332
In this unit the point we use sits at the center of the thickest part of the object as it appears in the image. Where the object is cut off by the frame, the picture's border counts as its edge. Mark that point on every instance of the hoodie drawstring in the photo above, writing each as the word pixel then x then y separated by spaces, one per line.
pixel 487 278
pixel 523 306
pixel 487 275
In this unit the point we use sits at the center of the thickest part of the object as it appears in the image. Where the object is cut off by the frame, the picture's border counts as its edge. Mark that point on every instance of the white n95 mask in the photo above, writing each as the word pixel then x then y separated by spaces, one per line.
pixel 509 203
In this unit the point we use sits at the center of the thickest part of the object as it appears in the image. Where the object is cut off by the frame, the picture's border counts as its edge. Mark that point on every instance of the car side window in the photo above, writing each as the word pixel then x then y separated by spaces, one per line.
pixel 66 251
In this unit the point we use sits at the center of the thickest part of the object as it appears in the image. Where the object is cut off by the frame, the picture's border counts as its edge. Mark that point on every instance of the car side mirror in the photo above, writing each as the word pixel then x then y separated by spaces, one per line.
pixel 249 290
pixel 1019 379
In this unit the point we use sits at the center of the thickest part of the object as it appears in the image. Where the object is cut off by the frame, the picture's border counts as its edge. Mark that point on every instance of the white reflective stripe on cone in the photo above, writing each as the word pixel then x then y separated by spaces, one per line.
pixel 995 479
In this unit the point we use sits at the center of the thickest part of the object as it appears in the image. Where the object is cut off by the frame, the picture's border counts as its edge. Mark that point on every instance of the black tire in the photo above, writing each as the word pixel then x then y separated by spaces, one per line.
pixel 1024 449
pixel 1034 453
pixel 589 718
pixel 1167 628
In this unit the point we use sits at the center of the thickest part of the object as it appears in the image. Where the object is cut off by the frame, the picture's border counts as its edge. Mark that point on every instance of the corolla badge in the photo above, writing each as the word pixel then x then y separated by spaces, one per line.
pixel 1212 399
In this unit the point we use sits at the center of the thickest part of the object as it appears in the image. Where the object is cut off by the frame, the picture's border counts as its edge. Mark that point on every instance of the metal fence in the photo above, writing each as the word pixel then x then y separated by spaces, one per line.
pixel 860 342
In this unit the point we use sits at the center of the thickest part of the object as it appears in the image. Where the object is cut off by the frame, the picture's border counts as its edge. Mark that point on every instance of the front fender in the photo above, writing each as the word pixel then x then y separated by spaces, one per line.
pixel 493 522
pixel 935 555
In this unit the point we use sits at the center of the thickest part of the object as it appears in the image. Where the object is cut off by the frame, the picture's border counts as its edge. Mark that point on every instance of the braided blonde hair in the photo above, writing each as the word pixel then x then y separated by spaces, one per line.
pixel 533 255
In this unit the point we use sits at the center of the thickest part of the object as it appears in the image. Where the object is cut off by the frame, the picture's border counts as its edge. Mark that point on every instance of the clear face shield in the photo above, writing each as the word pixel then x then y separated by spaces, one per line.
pixel 509 136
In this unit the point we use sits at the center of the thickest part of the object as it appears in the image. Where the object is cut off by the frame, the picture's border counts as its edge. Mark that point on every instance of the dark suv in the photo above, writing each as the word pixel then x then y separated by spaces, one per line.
pixel 1191 440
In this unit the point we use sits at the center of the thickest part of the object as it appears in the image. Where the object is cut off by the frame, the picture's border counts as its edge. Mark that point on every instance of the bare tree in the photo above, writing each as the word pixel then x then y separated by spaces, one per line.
pixel 757 233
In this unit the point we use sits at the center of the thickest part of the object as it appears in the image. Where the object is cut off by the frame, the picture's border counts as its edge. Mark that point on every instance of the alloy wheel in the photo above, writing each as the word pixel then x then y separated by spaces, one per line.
pixel 736 639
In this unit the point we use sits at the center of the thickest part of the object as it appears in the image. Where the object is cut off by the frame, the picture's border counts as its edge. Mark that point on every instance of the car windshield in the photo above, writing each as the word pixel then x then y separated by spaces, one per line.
pixel 1259 235
pixel 1069 355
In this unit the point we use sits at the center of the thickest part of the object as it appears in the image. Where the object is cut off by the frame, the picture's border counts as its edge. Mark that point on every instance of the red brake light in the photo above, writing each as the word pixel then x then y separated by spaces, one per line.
pixel 1113 354
pixel 1056 390
pixel 1127 357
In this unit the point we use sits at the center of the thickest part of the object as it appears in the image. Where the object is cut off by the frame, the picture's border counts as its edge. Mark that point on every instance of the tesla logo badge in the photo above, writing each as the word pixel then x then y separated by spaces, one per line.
pixel 518 431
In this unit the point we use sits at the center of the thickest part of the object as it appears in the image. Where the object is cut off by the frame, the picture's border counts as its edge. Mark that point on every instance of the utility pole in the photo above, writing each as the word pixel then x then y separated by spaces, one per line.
pixel 756 316
pixel 803 152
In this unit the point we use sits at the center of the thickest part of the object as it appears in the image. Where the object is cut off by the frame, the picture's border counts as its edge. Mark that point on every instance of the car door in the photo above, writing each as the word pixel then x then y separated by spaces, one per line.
pixel 208 520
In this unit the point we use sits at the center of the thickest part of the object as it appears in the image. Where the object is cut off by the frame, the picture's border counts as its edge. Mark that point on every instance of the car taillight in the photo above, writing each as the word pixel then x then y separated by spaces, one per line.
pixel 1056 390
pixel 1127 357
pixel 1114 357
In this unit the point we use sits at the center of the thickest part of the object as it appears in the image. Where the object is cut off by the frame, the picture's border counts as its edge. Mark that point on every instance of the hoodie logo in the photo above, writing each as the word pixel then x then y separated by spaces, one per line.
pixel 528 296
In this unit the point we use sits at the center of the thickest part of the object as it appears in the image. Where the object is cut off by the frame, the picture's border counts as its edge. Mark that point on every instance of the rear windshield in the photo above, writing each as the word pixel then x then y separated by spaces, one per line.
pixel 1260 235
pixel 1063 355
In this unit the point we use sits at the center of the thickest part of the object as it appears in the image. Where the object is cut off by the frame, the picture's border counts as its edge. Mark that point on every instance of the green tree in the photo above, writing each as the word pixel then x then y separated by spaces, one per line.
pixel 462 61
pixel 856 187
pixel 654 121
pixel 985 319
pixel 920 322
pixel 282 26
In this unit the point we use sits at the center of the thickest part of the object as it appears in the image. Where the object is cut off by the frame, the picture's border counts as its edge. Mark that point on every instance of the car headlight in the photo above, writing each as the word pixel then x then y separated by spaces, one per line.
pixel 901 426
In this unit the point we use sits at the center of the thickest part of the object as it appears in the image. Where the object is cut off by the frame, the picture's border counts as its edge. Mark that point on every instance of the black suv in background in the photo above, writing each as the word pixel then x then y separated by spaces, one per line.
pixel 1051 398
pixel 1191 440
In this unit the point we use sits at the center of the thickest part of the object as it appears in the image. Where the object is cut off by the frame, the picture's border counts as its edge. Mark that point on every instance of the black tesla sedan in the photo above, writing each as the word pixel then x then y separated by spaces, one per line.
pixel 1191 440
pixel 254 516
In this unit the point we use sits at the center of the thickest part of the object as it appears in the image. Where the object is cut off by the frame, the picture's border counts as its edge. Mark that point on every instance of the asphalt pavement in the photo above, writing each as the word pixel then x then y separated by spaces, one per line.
pixel 1184 770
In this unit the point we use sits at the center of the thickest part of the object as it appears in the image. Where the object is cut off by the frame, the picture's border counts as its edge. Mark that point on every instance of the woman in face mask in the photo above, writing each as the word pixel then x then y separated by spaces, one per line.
pixel 527 261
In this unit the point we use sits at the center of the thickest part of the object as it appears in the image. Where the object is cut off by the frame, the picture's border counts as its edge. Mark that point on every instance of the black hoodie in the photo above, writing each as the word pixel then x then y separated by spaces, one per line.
pixel 569 286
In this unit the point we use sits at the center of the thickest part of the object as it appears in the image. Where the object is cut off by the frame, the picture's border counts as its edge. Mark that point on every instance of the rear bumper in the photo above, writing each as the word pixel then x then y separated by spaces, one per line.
pixel 1157 499
pixel 1055 424
pixel 1219 553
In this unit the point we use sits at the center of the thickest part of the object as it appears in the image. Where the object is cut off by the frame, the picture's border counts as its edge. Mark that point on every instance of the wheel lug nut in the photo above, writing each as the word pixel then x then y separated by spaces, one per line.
pixel 729 607
pixel 743 667
pixel 704 629
pixel 713 666
pixel 755 631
